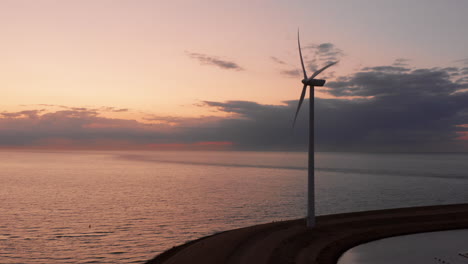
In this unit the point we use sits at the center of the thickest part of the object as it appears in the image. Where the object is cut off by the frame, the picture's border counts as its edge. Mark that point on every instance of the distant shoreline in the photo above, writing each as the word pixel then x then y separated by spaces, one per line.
pixel 119 149
pixel 291 242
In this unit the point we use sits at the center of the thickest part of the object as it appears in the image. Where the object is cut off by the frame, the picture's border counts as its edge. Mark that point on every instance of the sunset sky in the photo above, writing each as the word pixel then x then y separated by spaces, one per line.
pixel 224 74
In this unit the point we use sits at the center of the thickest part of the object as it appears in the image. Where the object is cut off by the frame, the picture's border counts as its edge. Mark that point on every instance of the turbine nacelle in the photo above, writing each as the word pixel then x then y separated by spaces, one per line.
pixel 313 82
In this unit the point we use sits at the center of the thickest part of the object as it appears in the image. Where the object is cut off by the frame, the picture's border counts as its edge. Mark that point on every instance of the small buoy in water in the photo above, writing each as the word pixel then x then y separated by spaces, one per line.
pixel 89 226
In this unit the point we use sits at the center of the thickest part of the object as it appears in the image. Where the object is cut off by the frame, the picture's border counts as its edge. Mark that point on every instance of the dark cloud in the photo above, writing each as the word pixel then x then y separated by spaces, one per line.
pixel 315 57
pixel 98 109
pixel 460 75
pixel 50 105
pixel 277 60
pixel 292 73
pixel 450 69
pixel 325 52
pixel 393 110
pixel 252 126
pixel 112 109
pixel 80 126
pixel 464 61
pixel 319 55
pixel 409 110
pixel 184 121
pixel 377 82
pixel 401 62
pixel 388 69
pixel 464 71
pixel 215 61
pixel 418 108
pixel 32 114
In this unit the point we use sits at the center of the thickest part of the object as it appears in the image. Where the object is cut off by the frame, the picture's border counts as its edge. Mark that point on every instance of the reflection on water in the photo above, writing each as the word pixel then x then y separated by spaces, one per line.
pixel 434 247
pixel 124 207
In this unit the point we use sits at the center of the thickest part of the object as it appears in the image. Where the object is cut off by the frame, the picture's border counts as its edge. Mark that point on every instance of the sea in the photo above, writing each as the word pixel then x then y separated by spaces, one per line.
pixel 128 206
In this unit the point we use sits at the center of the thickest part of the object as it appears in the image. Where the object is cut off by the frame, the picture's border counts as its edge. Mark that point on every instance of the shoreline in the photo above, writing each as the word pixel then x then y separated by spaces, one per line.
pixel 291 242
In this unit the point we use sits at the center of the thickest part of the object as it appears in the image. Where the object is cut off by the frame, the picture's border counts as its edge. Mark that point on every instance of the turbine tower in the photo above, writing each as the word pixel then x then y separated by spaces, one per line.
pixel 311 82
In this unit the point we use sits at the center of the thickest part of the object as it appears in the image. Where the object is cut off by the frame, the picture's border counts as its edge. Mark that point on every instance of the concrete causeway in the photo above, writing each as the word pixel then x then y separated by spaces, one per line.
pixel 291 242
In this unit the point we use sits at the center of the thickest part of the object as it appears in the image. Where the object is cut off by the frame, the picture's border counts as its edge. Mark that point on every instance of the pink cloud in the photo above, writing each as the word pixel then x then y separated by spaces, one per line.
pixel 84 128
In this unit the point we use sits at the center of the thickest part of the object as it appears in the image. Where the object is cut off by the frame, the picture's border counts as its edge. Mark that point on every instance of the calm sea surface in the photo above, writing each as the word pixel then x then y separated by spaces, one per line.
pixel 125 207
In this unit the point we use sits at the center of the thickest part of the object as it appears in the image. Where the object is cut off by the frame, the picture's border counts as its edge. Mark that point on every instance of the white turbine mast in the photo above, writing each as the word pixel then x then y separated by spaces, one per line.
pixel 311 82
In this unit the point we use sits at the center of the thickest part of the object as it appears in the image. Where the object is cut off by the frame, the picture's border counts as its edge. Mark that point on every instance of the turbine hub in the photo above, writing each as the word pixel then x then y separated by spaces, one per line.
pixel 304 81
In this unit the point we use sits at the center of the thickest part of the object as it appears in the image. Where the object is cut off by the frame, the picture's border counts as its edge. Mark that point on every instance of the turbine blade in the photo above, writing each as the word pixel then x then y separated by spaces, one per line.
pixel 300 54
pixel 321 70
pixel 300 103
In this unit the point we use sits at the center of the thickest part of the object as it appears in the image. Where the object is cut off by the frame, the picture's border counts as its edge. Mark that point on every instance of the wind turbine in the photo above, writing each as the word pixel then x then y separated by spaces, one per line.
pixel 311 82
